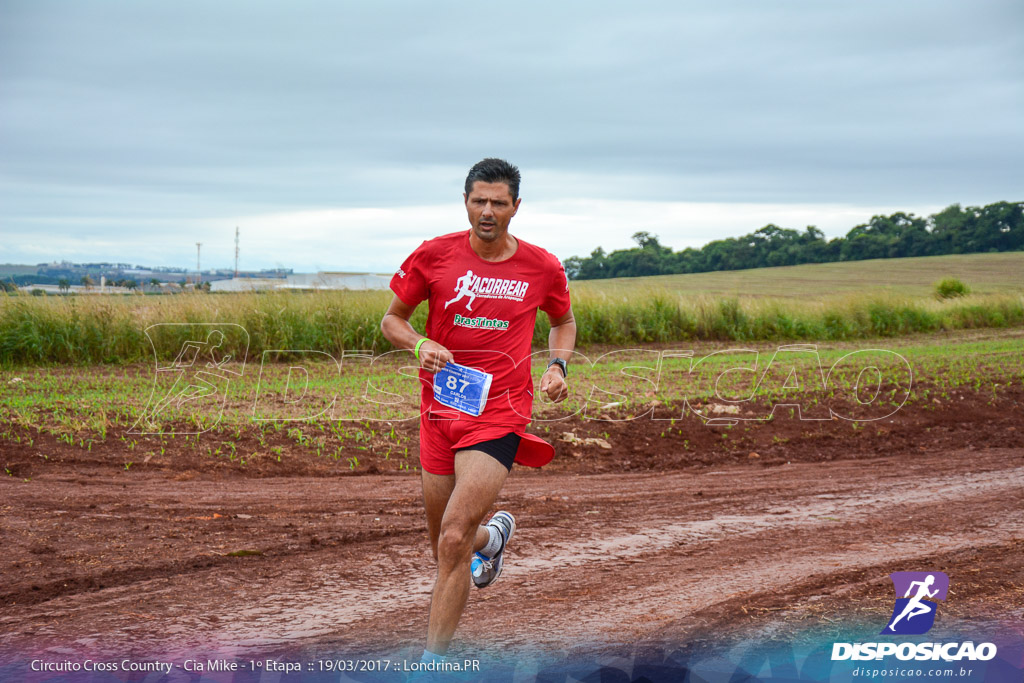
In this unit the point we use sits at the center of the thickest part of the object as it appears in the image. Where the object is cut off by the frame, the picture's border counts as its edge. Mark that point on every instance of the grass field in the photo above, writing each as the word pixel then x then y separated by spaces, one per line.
pixel 832 302
pixel 1001 273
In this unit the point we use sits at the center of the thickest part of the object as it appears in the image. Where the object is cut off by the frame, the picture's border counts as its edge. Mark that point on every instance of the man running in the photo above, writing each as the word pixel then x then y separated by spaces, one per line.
pixel 465 459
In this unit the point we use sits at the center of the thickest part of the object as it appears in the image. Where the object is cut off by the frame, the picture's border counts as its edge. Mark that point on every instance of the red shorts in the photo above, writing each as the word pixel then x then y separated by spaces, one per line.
pixel 441 438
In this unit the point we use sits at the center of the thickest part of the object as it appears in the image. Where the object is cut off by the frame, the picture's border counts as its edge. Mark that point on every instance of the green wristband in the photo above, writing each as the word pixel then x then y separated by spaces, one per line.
pixel 416 350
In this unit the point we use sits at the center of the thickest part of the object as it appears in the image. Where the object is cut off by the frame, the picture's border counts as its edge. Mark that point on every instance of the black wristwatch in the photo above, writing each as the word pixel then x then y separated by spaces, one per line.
pixel 561 364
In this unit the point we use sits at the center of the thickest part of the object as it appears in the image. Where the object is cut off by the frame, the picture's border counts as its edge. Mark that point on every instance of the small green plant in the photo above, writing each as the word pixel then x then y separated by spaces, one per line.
pixel 950 288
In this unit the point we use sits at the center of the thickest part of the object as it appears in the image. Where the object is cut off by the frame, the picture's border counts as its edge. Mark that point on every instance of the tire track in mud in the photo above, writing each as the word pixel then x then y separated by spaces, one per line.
pixel 647 556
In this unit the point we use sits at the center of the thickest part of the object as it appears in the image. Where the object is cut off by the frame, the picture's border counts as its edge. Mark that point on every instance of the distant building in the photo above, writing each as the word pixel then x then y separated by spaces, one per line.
pixel 78 289
pixel 245 284
pixel 321 280
pixel 326 280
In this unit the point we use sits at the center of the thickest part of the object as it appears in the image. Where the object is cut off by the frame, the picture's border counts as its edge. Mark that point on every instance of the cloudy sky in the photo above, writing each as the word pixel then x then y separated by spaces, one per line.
pixel 337 135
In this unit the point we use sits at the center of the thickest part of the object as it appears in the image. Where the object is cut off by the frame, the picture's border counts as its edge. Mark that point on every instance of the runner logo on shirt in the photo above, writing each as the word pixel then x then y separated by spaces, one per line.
pixel 473 286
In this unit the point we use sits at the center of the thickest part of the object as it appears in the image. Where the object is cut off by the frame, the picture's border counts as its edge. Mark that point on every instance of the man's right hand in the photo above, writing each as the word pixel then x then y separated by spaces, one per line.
pixel 433 356
pixel 397 330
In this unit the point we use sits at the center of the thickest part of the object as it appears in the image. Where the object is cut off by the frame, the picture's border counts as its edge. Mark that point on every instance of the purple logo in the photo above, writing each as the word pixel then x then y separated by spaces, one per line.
pixel 916 593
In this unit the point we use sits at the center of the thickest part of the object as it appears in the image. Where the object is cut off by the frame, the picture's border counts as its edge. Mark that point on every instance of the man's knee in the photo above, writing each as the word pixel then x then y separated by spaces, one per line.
pixel 455 541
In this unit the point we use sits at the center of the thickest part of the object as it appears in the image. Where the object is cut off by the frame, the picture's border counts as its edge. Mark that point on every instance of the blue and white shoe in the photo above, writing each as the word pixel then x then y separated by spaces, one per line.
pixel 486 570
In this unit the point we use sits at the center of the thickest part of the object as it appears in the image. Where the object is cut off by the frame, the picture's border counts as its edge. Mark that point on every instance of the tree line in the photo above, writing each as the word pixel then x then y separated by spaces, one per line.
pixel 954 230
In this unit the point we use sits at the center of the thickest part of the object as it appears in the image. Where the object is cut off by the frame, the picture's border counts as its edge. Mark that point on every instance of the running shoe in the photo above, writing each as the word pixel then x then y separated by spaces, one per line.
pixel 486 570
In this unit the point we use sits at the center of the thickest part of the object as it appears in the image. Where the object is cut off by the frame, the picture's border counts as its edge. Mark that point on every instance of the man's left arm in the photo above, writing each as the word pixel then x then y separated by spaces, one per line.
pixel 561 342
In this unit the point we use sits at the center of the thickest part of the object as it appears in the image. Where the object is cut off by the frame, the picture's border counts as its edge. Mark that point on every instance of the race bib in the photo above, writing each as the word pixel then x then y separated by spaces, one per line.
pixel 463 388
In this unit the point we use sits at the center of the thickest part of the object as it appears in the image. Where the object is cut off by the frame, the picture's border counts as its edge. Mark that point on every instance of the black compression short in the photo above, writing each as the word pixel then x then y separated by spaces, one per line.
pixel 503 450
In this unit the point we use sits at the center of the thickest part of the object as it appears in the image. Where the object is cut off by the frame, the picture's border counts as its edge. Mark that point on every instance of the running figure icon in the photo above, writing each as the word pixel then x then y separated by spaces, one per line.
pixel 462 288
pixel 915 607
pixel 187 388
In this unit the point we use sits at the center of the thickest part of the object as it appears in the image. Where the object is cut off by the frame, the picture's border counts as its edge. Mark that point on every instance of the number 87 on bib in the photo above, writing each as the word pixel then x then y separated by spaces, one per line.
pixel 462 388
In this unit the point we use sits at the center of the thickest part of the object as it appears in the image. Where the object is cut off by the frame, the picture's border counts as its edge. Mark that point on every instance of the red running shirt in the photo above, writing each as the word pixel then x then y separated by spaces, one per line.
pixel 484 313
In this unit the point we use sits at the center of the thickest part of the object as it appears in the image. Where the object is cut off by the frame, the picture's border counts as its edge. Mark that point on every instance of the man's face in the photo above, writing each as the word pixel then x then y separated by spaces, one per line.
pixel 490 208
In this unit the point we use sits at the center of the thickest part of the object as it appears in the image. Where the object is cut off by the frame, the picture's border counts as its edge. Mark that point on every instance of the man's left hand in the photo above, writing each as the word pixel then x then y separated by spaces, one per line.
pixel 553 384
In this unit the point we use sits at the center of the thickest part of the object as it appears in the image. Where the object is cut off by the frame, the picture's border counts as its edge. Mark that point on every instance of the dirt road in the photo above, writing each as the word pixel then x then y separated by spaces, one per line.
pixel 104 564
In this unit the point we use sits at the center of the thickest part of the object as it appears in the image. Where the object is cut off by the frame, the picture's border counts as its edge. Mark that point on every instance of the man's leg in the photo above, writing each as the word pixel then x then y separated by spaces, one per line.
pixel 437 489
pixel 477 481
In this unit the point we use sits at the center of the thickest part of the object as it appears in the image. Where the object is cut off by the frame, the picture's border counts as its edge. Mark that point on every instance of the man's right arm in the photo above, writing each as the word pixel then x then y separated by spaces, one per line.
pixel 396 329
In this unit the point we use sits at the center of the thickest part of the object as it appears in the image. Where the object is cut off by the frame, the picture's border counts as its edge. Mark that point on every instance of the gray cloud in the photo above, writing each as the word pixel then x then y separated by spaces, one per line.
pixel 113 112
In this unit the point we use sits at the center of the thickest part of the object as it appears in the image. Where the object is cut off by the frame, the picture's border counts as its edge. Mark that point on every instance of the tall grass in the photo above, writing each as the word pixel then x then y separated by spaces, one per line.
pixel 101 329
pixel 95 329
pixel 663 316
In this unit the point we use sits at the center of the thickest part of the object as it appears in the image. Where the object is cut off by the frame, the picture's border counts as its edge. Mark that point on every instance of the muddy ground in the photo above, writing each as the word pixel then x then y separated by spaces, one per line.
pixel 775 530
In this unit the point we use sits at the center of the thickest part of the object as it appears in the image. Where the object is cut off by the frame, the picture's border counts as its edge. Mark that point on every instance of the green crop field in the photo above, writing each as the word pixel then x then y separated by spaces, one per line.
pixel 338 418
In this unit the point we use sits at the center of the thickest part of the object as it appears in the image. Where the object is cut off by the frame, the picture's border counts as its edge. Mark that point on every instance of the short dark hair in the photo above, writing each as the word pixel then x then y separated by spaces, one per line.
pixel 493 170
